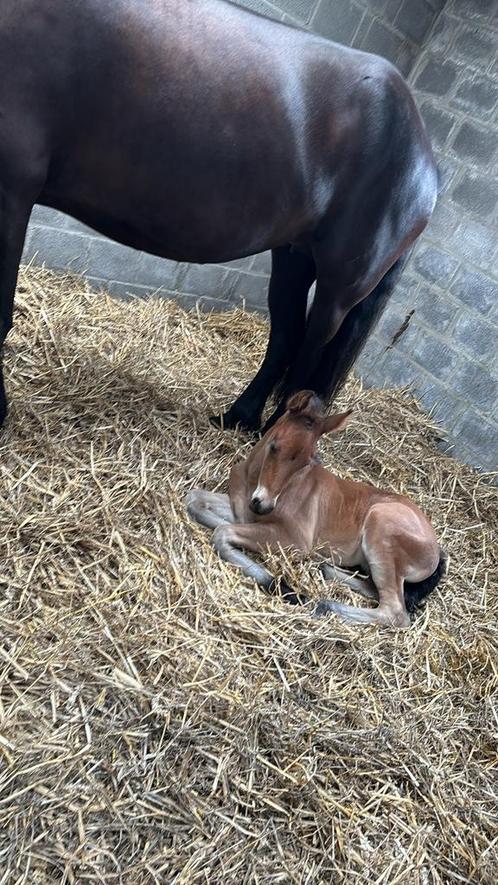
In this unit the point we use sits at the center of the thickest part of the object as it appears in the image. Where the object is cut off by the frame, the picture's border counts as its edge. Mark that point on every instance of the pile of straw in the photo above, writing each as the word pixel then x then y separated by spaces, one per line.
pixel 161 720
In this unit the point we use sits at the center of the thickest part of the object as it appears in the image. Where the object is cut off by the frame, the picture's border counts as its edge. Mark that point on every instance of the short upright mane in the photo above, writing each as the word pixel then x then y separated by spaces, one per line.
pixel 305 404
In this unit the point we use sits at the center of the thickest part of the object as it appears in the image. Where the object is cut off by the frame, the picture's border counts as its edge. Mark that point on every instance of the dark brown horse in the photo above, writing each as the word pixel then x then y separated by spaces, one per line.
pixel 201 132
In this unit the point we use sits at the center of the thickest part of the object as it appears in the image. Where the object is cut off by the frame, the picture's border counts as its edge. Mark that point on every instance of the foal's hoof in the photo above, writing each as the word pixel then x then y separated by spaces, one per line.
pixel 325 607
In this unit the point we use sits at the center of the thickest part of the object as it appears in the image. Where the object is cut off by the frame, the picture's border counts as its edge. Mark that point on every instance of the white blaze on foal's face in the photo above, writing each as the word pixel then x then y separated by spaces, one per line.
pixel 290 446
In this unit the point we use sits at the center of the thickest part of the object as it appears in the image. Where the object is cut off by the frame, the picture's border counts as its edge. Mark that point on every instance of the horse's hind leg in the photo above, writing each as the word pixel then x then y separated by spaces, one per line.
pixel 364 586
pixel 340 354
pixel 292 276
pixel 14 217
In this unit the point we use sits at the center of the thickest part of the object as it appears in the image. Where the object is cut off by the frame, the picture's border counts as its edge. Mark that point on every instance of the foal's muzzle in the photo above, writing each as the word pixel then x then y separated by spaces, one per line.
pixel 260 507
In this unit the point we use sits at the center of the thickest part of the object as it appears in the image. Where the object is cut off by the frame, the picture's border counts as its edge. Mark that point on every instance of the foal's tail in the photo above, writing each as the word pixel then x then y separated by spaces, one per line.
pixel 347 344
pixel 416 592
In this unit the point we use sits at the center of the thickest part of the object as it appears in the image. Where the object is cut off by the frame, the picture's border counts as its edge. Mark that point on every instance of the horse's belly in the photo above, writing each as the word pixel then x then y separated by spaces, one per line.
pixel 170 203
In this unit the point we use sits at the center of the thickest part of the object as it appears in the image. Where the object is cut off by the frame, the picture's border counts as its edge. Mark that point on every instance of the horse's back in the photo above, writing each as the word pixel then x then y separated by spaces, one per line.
pixel 194 130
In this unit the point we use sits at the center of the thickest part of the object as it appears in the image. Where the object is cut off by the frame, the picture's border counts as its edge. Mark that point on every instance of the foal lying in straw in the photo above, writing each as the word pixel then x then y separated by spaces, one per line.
pixel 282 497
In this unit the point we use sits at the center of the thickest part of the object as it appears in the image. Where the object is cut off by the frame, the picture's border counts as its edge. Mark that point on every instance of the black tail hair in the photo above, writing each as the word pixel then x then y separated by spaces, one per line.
pixel 416 592
pixel 346 346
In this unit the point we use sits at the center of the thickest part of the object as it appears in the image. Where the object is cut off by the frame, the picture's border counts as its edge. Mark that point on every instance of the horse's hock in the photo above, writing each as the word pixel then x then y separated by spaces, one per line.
pixel 440 329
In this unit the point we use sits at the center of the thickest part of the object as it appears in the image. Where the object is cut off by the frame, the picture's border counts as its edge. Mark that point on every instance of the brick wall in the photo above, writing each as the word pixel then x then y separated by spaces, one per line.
pixel 447 351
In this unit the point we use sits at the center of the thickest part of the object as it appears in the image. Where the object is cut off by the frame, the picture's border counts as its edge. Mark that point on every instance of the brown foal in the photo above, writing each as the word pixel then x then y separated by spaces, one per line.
pixel 280 496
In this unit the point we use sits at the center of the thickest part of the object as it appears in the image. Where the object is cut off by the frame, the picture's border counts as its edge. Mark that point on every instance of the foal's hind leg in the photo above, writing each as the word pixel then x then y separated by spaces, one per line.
pixel 292 276
pixel 364 586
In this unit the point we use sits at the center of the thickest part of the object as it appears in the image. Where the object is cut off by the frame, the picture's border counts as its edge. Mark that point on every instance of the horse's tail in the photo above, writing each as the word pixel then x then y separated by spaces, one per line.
pixel 416 592
pixel 347 344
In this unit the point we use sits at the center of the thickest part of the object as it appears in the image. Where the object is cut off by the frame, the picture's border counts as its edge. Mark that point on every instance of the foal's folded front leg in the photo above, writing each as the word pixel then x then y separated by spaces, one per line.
pixel 209 508
pixel 228 541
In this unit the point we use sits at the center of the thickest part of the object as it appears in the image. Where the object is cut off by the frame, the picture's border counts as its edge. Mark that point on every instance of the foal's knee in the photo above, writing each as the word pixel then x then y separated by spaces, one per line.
pixel 221 538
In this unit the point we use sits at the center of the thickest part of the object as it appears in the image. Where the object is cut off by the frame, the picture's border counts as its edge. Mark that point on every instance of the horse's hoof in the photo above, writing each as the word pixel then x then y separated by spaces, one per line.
pixel 230 421
pixel 217 421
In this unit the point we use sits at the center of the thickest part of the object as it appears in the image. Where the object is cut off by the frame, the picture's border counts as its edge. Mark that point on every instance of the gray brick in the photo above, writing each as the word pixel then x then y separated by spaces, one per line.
pixel 193 302
pixel 481 435
pixel 390 323
pixel 387 10
pixel 406 58
pixel 125 291
pixel 262 7
pixel 415 19
pixel 477 193
pixel 59 249
pixel 434 308
pixel 475 143
pixel 373 374
pixel 474 9
pixel 210 280
pixel 338 21
pixel 445 219
pixel 476 242
pixel 439 123
pixel 160 272
pixel 382 41
pixel 397 370
pixel 437 76
pixel 298 10
pixel 251 288
pixel 475 47
pixel 448 169
pixel 478 337
pixel 240 263
pixel 262 263
pixel 404 295
pixel 79 228
pixel 442 33
pixel 429 351
pixel 362 30
pixel 475 289
pixel 434 265
pixel 477 95
pixel 371 355
pixel 112 261
pixel 445 407
pixel 44 215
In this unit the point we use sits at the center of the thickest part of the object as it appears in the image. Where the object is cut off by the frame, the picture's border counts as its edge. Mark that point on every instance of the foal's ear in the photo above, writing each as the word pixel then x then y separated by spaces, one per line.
pixel 305 404
pixel 334 423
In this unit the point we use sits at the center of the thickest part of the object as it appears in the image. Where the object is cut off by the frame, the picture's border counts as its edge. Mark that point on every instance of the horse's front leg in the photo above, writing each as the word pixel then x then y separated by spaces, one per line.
pixel 291 278
pixel 14 216
pixel 230 541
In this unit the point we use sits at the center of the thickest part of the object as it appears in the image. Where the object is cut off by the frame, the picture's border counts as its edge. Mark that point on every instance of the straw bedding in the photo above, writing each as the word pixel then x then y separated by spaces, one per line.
pixel 161 720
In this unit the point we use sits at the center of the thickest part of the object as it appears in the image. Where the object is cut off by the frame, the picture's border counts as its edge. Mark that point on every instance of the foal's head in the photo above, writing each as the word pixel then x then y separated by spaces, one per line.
pixel 290 445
